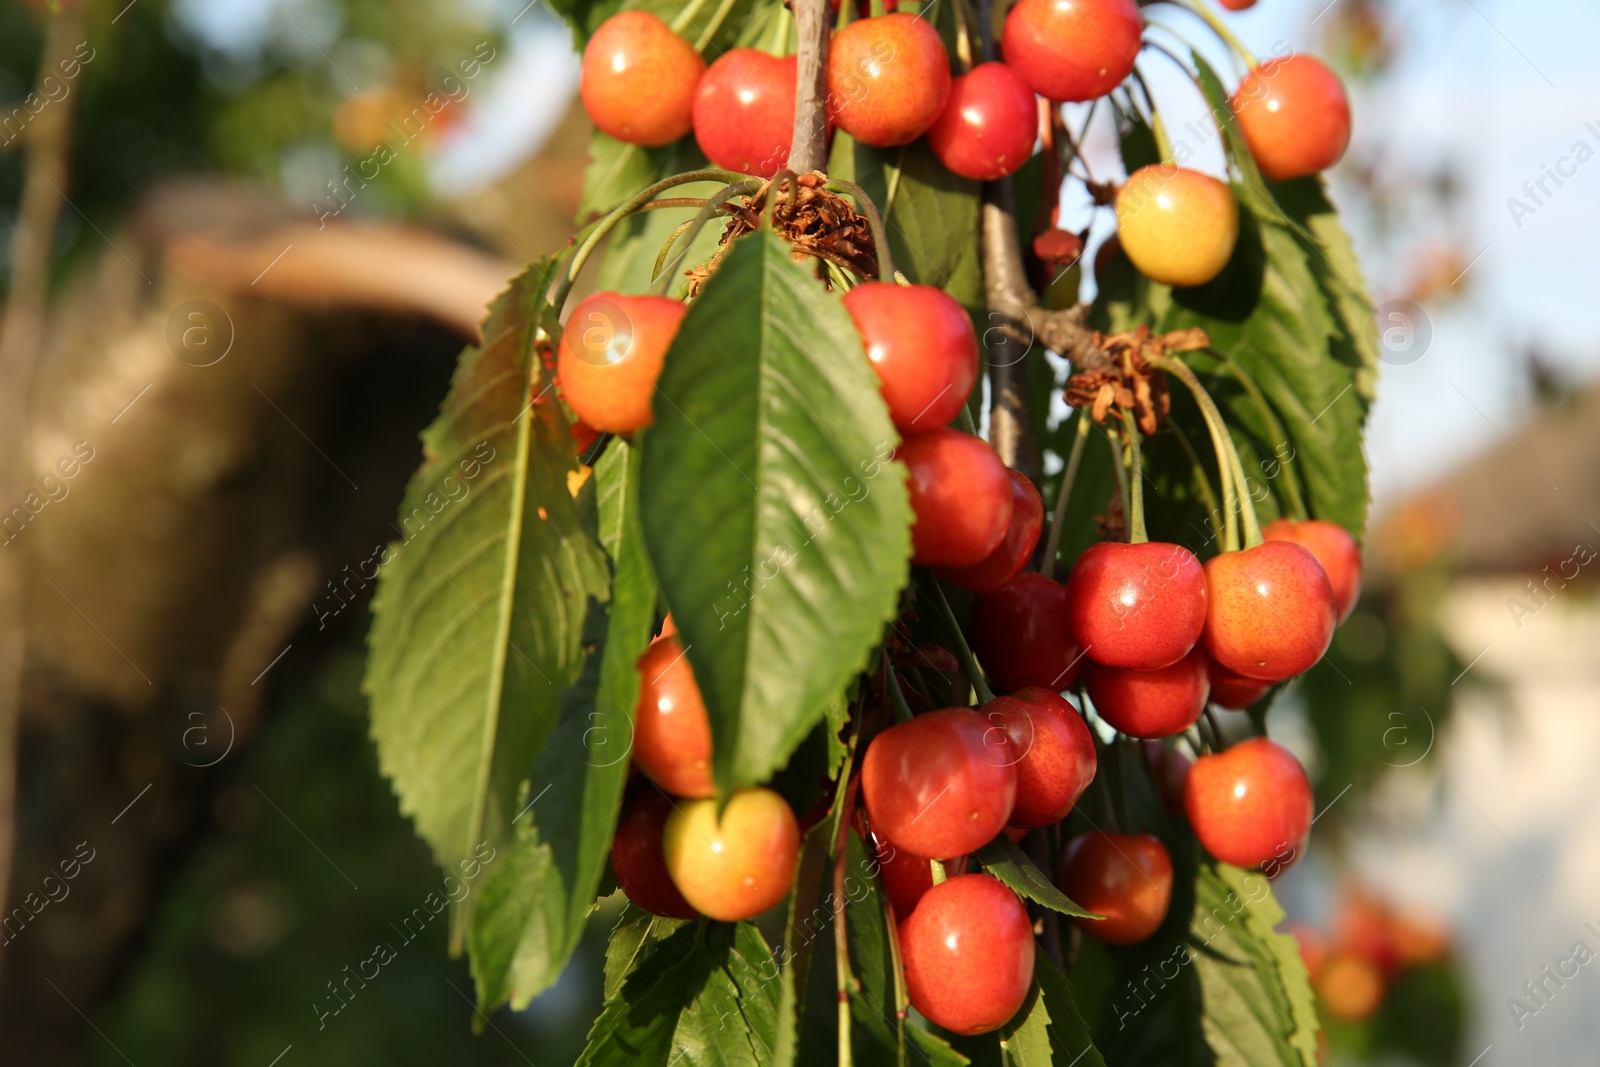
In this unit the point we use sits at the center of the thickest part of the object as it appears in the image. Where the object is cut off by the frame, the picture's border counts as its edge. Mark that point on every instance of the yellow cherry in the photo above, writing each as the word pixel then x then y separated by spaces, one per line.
pixel 1177 226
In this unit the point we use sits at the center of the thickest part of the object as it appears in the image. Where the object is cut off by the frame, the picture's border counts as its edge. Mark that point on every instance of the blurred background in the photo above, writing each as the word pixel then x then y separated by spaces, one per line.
pixel 245 240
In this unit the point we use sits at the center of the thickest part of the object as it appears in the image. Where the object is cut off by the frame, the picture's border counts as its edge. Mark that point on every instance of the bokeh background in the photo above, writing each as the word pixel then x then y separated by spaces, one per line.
pixel 272 224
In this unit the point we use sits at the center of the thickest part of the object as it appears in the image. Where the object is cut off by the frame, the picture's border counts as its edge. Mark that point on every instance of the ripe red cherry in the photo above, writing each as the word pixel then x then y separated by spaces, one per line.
pixel 637 859
pixel 1053 750
pixel 671 732
pixel 988 125
pixel 906 878
pixel 738 866
pixel 1169 769
pixel 1072 49
pixel 888 78
pixel 1334 548
pixel 1013 551
pixel 1125 877
pixel 960 494
pixel 1021 636
pixel 1294 115
pixel 1150 704
pixel 610 357
pixel 639 78
pixel 1250 803
pixel 1270 614
pixel 1232 690
pixel 940 785
pixel 921 345
pixel 744 111
pixel 1138 606
pixel 1238 5
pixel 968 954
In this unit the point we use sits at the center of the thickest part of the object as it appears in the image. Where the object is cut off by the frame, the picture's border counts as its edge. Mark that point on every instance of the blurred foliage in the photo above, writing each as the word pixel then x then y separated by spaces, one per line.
pixel 260 918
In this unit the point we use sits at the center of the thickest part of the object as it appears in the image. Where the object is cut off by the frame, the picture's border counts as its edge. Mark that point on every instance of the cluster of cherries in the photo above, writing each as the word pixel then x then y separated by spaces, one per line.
pixel 889 82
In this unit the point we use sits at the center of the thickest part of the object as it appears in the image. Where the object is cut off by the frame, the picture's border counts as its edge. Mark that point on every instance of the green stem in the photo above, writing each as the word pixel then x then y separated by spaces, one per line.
pixel 1136 530
pixel 718 17
pixel 1291 481
pixel 1201 477
pixel 1219 740
pixel 969 663
pixel 897 699
pixel 1052 544
pixel 938 871
pixel 1218 27
pixel 703 216
pixel 1119 473
pixel 1227 454
pixel 685 16
pixel 880 234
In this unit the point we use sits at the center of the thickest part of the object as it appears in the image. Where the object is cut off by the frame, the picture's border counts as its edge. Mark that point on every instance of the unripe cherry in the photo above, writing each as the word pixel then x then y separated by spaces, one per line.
pixel 1176 225
pixel 1249 804
pixel 968 954
pixel 1022 637
pixel 1139 606
pixel 739 866
pixel 639 79
pixel 1334 548
pixel 922 347
pixel 744 111
pixel 888 78
pixel 988 125
pixel 1294 115
pixel 960 495
pixel 671 732
pixel 1053 752
pixel 610 357
pixel 1072 50
pixel 1014 549
pixel 1127 878
pixel 940 785
pixel 1270 614
pixel 1150 704
pixel 637 859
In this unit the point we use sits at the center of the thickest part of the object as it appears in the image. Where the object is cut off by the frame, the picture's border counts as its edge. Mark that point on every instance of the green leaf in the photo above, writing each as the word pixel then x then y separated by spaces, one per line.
pixel 585 16
pixel 935 1050
pixel 931 214
pixel 807 920
pixel 1216 985
pixel 1048 1029
pixel 631 941
pixel 706 997
pixel 779 529
pixel 1005 859
pixel 533 909
pixel 479 612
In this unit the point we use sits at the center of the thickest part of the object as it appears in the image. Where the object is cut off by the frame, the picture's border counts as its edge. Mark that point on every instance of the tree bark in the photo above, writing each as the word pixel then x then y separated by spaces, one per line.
pixel 809 148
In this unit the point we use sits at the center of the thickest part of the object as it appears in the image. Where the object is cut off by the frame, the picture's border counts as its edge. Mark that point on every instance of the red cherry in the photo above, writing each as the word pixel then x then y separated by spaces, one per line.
pixel 888 78
pixel 1016 833
pixel 988 125
pixel 1270 614
pixel 1125 877
pixel 906 878
pixel 1072 49
pixel 921 345
pixel 1170 770
pixel 737 866
pixel 637 859
pixel 960 494
pixel 1249 804
pixel 1238 5
pixel 744 111
pixel 610 357
pixel 1153 704
pixel 1294 115
pixel 1139 606
pixel 1021 636
pixel 1334 548
pixel 639 78
pixel 1053 751
pixel 1232 690
pixel 1014 550
pixel 968 954
pixel 939 785
pixel 671 732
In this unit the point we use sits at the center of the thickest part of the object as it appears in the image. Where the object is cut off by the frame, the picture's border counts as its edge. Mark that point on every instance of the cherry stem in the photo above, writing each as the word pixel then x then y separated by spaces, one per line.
pixel 1136 530
pixel 939 874
pixel 1201 476
pixel 712 206
pixel 1119 474
pixel 718 17
pixel 1227 454
pixel 1291 480
pixel 1218 27
pixel 685 16
pixel 1058 519
pixel 841 936
pixel 969 663
pixel 1219 738
pixel 880 234
pixel 963 36
pixel 604 227
pixel 897 699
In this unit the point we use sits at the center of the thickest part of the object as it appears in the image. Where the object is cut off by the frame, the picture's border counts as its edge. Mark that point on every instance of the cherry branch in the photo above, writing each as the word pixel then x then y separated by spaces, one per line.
pixel 809 147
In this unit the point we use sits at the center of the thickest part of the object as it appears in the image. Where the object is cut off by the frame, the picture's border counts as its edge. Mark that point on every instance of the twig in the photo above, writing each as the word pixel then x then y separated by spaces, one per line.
pixel 809 148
